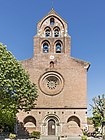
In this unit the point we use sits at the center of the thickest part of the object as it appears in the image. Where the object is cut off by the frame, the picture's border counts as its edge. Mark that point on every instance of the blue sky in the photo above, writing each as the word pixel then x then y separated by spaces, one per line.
pixel 86 25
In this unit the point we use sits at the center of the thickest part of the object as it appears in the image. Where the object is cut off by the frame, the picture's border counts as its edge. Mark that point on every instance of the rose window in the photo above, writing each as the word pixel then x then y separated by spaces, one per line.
pixel 51 83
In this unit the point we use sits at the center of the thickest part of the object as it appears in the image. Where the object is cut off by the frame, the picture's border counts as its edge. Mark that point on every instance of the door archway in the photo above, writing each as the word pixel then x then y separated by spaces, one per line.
pixel 51 127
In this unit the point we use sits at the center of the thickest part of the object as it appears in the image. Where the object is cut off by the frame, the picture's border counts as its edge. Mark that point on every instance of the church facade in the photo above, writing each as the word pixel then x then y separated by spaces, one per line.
pixel 61 107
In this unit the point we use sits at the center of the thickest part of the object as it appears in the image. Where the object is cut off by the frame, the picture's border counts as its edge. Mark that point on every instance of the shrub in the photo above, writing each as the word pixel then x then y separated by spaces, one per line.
pixel 84 137
pixel 35 134
pixel 12 136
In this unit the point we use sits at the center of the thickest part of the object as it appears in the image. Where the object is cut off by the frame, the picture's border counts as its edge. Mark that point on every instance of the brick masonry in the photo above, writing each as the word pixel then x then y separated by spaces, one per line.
pixel 61 81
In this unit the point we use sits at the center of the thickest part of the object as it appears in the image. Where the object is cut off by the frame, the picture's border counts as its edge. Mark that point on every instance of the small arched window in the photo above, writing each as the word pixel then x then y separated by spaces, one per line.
pixel 47 32
pixel 58 47
pixel 56 32
pixel 52 21
pixel 45 48
pixel 51 64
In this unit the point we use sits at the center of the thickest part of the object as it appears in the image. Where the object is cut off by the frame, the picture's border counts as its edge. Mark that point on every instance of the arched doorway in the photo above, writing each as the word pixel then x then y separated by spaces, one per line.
pixel 51 127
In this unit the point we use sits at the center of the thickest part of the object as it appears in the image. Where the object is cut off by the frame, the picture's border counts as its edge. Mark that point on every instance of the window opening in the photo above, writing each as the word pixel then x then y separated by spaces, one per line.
pixel 45 48
pixel 51 64
pixel 58 48
pixel 56 33
pixel 52 82
pixel 47 32
pixel 52 21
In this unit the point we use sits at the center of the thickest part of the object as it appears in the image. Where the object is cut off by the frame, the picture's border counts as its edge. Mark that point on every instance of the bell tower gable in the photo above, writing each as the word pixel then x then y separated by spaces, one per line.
pixel 53 21
pixel 52 35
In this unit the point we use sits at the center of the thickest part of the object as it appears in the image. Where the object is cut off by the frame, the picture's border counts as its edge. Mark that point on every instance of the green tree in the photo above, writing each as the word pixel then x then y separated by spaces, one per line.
pixel 98 111
pixel 7 120
pixel 16 90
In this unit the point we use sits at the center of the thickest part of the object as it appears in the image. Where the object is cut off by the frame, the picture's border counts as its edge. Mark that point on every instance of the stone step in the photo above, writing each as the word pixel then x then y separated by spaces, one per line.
pixel 59 138
pixel 49 138
pixel 74 138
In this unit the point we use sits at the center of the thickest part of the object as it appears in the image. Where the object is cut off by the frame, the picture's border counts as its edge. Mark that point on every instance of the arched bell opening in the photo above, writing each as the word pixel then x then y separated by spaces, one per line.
pixel 45 46
pixel 58 46
pixel 56 32
pixel 47 31
pixel 52 21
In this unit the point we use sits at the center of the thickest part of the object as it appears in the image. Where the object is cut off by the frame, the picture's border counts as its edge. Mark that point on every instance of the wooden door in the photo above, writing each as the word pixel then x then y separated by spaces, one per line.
pixel 51 127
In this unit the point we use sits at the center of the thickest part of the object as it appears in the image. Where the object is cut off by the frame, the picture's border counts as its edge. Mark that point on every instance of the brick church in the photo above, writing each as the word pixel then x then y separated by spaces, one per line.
pixel 61 107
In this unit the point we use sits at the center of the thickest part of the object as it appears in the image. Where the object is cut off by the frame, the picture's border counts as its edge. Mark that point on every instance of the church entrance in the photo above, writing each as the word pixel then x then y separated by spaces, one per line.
pixel 51 127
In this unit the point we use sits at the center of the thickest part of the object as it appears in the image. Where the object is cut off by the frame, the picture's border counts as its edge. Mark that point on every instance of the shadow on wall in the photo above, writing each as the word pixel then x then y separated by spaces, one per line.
pixel 21 130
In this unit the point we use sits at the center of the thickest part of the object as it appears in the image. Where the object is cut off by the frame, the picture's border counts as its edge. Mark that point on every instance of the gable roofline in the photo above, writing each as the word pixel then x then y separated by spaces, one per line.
pixel 84 63
pixel 51 13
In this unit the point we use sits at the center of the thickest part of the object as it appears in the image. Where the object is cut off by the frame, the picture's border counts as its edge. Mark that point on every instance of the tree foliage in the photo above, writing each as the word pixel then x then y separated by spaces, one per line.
pixel 16 90
pixel 7 120
pixel 98 111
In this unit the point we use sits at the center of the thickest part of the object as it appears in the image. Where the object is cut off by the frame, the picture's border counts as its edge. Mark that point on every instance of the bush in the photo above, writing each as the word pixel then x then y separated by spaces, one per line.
pixel 35 134
pixel 84 137
pixel 12 136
